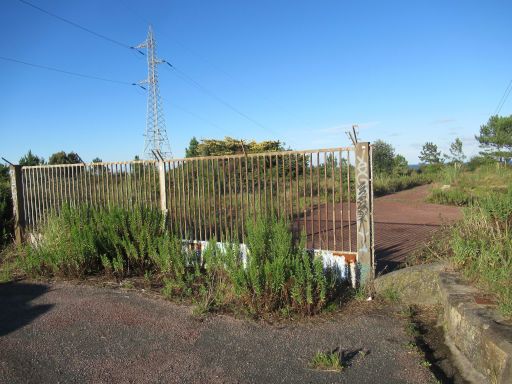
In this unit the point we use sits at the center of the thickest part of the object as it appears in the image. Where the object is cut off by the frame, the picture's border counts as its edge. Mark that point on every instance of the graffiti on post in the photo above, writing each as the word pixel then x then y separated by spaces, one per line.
pixel 363 207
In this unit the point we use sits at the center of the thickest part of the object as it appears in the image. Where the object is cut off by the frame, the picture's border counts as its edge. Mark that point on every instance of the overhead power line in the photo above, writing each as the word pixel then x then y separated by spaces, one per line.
pixel 179 72
pixel 504 98
pixel 76 25
pixel 83 75
pixel 210 93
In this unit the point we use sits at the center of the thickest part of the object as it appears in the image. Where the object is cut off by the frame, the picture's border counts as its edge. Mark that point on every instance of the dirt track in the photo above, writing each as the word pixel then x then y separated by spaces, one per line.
pixel 403 223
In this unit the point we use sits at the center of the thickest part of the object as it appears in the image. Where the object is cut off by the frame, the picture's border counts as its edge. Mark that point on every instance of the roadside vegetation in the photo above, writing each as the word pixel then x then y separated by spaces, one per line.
pixel 277 276
pixel 479 245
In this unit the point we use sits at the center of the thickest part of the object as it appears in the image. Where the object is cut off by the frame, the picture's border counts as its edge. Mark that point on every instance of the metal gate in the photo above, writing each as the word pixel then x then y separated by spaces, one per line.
pixel 325 194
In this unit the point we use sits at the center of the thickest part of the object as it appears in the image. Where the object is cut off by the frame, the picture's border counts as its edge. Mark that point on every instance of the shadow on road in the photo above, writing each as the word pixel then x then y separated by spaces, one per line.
pixel 15 308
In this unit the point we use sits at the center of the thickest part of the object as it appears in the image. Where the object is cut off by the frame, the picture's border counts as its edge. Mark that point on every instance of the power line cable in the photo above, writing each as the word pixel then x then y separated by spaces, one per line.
pixel 76 25
pixel 504 98
pixel 180 73
pixel 83 75
pixel 205 90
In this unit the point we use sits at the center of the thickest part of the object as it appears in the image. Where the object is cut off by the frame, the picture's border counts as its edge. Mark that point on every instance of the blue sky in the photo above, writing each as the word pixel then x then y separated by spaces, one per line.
pixel 406 71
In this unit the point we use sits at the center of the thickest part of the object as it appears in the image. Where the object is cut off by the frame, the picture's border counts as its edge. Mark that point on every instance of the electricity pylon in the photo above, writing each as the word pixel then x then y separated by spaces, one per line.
pixel 156 141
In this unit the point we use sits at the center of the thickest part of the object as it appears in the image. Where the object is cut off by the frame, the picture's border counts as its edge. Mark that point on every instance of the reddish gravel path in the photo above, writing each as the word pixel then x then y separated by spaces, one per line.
pixel 404 222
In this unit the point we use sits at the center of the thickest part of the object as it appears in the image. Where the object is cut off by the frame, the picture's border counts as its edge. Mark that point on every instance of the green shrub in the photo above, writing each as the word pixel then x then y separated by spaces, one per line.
pixel 278 276
pixel 482 246
pixel 450 196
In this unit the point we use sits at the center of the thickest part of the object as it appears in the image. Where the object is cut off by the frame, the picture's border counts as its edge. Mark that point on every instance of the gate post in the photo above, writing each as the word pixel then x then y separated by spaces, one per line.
pixel 364 212
pixel 17 202
pixel 163 192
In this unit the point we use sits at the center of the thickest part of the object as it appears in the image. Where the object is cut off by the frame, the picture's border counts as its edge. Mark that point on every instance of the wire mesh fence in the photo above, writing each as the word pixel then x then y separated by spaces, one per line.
pixel 212 197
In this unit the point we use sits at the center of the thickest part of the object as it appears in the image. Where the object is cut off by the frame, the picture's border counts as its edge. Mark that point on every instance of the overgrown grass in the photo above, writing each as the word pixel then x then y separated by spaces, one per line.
pixel 464 187
pixel 278 276
pixel 386 184
pixel 480 246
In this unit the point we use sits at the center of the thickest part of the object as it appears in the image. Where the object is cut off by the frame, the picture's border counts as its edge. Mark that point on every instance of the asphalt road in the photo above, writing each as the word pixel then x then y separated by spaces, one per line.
pixel 68 333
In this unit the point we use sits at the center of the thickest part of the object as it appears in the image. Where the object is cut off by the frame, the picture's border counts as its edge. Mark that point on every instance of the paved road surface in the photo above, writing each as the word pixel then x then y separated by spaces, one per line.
pixel 65 333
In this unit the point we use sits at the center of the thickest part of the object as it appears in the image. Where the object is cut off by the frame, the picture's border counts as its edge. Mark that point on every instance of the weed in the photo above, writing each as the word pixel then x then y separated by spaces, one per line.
pixel 391 294
pixel 426 364
pixel 127 284
pixel 330 361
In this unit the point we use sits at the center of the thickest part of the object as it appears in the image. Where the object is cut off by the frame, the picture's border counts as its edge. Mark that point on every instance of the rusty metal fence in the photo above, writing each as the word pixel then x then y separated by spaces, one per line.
pixel 204 198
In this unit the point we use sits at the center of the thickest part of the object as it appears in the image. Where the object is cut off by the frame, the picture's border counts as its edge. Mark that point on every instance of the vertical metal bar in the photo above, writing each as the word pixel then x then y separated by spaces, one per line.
pixel 326 218
pixel 230 194
pixel 290 178
pixel 285 214
pixel 76 202
pixel 61 186
pixel 259 186
pixel 253 192
pixel 278 196
pixel 235 193
pixel 297 197
pixel 23 203
pixel 305 229
pixel 122 185
pixel 38 196
pixel 204 200
pixel 44 203
pixel 186 199
pixel 183 209
pixel 265 183
pixel 199 199
pixel 247 207
pixel 209 198
pixel 341 200
pixel 225 210
pixel 194 201
pixel 177 198
pixel 216 214
pixel 333 193
pixel 271 186
pixel 51 189
pixel 319 211
pixel 349 203
pixel 31 197
pixel 311 212
pixel 241 192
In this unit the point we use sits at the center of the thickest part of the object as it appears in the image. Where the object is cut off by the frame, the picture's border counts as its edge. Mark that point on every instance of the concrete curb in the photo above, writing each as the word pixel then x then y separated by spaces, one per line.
pixel 479 337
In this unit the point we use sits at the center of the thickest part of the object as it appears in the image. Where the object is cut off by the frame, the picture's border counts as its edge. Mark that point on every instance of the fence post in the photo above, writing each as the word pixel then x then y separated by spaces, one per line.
pixel 364 212
pixel 17 202
pixel 163 192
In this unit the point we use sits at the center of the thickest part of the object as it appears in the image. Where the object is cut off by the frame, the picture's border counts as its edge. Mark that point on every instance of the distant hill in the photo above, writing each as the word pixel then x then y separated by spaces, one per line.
pixel 414 166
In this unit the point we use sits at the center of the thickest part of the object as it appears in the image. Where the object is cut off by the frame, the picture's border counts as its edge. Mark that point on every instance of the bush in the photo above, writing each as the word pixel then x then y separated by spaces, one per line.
pixel 281 276
pixel 450 196
pixel 277 275
pixel 482 246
